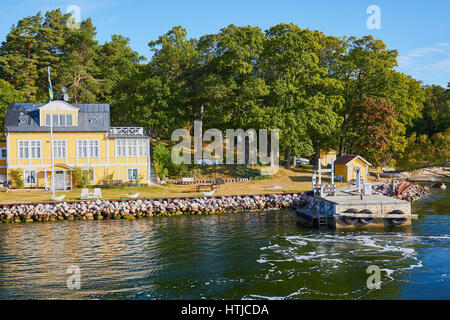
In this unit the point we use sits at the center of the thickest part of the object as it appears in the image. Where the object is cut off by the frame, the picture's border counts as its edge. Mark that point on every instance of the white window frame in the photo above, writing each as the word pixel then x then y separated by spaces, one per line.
pixel 25 177
pixel 88 147
pixel 55 154
pixel 93 173
pixel 57 118
pixel 125 147
pixel 121 147
pixel 132 147
pixel 71 120
pixel 141 148
pixel 1 153
pixel 29 148
pixel 132 168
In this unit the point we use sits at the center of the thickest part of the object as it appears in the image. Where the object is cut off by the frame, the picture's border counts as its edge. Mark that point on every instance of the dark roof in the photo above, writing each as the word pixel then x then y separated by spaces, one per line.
pixel 346 158
pixel 91 117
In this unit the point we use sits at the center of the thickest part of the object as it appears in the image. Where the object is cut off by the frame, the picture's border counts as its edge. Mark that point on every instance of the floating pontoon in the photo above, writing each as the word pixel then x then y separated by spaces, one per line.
pixel 352 207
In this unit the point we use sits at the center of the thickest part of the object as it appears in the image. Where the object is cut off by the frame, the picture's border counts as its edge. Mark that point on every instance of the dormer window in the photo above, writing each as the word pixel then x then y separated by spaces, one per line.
pixel 59 120
pixel 58 114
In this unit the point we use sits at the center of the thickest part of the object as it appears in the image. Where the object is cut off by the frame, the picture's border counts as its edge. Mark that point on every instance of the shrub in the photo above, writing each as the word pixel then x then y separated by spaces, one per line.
pixel 250 174
pixel 109 176
pixel 81 178
pixel 161 154
pixel 176 169
pixel 76 176
pixel 187 174
pixel 161 172
pixel 163 162
pixel 17 177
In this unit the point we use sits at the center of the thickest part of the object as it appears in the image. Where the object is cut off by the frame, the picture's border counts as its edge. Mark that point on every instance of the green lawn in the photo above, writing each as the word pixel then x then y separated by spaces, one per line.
pixel 292 180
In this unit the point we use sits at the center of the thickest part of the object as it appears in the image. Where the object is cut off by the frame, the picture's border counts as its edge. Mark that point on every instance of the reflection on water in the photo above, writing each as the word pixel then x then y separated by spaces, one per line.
pixel 231 256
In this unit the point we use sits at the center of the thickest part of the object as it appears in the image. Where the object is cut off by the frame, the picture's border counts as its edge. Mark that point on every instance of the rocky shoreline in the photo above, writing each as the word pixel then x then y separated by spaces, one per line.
pixel 402 189
pixel 138 208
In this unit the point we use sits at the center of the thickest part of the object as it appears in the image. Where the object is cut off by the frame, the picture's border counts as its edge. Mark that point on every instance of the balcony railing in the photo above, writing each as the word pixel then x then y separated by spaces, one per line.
pixel 127 131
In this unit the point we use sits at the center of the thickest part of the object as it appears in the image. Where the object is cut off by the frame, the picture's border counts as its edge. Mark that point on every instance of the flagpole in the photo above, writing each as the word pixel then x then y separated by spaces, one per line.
pixel 51 136
pixel 51 152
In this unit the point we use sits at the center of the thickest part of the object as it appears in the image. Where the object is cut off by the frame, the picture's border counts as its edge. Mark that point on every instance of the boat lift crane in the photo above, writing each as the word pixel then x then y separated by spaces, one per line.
pixel 322 189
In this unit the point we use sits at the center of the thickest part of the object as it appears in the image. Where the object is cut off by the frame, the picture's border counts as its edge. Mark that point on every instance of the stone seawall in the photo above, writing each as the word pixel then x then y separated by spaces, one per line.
pixel 136 208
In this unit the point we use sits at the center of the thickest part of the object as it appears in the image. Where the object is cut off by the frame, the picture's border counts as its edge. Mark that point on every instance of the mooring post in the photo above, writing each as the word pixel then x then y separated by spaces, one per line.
pixel 358 182
pixel 332 172
pixel 320 172
pixel 314 181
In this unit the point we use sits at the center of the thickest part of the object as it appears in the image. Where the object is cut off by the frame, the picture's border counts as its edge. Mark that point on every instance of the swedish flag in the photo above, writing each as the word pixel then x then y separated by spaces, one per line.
pixel 50 89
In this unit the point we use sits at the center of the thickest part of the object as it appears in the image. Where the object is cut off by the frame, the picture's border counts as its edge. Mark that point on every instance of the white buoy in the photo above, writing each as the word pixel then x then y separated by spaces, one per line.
pixel 133 196
pixel 208 193
pixel 59 198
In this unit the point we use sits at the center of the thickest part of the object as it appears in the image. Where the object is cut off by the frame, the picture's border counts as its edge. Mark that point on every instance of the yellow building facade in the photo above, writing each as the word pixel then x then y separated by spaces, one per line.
pixel 82 137
pixel 348 165
pixel 326 156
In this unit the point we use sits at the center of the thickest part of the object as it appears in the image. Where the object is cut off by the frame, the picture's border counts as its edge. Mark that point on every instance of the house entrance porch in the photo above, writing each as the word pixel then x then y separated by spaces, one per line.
pixel 63 178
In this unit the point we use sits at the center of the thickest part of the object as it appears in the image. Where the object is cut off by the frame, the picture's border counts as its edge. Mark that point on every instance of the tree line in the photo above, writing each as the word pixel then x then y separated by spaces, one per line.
pixel 321 91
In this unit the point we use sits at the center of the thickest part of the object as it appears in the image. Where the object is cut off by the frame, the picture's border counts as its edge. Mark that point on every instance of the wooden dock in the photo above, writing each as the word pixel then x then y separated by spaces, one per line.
pixel 347 209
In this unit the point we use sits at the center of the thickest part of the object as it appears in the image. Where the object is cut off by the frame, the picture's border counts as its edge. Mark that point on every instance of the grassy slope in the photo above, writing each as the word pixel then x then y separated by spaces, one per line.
pixel 295 180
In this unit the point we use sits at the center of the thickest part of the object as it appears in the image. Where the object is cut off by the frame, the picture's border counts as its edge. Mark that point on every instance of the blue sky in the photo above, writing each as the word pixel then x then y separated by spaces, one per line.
pixel 419 30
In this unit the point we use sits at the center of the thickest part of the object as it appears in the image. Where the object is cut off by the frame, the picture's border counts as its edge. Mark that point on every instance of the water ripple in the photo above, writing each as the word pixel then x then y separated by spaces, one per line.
pixel 250 255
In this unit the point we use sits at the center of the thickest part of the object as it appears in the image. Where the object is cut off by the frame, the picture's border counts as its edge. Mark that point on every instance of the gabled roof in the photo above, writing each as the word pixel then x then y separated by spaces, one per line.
pixel 347 158
pixel 24 117
pixel 58 104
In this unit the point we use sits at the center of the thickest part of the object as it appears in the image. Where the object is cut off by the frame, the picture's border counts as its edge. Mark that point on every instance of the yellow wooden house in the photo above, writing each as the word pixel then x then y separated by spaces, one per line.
pixel 82 137
pixel 326 157
pixel 347 166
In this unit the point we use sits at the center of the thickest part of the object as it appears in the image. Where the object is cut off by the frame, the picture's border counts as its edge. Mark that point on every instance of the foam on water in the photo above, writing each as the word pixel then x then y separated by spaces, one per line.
pixel 250 255
pixel 394 252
